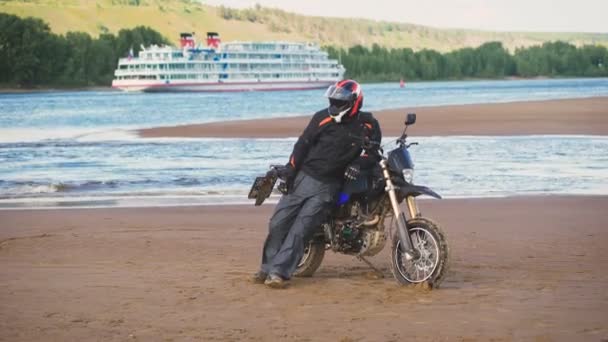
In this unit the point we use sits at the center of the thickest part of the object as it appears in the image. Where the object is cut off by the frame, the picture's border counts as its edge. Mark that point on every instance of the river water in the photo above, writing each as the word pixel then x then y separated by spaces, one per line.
pixel 74 149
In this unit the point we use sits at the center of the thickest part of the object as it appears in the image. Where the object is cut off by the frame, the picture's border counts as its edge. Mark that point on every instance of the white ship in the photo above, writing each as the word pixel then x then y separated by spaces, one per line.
pixel 234 66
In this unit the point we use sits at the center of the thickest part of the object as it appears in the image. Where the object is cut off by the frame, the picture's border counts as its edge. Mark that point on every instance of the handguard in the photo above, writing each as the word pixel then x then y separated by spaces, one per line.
pixel 262 187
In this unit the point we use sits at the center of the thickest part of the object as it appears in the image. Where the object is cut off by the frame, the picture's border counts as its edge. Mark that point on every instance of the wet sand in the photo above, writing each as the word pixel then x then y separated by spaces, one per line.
pixel 523 268
pixel 573 116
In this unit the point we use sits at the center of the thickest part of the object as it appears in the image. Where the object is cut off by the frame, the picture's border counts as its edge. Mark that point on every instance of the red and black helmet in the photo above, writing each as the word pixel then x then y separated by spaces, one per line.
pixel 345 97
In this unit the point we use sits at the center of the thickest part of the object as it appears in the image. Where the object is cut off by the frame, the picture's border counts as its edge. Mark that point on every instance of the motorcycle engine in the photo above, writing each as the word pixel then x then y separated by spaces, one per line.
pixel 360 233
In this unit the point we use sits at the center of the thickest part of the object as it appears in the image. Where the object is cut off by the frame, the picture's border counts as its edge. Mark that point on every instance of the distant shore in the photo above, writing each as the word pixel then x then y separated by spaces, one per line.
pixel 12 90
pixel 569 116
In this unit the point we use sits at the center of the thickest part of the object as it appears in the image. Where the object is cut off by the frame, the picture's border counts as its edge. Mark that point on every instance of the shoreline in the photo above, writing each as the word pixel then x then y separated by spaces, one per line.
pixel 11 91
pixel 180 274
pixel 588 116
pixel 204 201
pixel 17 90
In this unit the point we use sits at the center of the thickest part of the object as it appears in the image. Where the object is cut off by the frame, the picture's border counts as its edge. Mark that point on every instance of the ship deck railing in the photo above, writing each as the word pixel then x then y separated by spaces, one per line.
pixel 151 71
pixel 136 61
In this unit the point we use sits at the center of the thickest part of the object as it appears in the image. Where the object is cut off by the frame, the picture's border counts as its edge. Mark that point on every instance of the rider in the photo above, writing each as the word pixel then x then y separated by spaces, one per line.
pixel 329 149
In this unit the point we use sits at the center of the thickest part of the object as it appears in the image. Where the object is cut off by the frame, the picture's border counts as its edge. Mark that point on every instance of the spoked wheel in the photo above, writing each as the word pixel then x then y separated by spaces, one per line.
pixel 432 265
pixel 311 260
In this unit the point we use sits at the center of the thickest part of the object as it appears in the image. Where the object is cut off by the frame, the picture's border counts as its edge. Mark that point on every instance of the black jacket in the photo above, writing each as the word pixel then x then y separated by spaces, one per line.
pixel 326 148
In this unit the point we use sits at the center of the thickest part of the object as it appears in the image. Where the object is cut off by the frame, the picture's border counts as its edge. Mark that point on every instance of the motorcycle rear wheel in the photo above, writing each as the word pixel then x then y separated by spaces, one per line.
pixel 432 265
pixel 311 260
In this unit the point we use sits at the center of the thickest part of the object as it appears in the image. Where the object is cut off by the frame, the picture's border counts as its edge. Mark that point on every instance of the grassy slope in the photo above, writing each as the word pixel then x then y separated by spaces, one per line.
pixel 170 17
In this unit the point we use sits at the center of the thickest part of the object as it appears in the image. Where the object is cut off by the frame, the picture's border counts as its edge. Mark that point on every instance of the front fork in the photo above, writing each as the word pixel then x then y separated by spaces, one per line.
pixel 404 236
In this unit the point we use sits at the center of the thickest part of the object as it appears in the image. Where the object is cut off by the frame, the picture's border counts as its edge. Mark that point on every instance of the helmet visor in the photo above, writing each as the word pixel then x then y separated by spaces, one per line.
pixel 340 104
pixel 338 93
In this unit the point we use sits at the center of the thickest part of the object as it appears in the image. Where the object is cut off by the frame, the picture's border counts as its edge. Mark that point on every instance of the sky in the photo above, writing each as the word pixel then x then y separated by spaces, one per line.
pixel 493 15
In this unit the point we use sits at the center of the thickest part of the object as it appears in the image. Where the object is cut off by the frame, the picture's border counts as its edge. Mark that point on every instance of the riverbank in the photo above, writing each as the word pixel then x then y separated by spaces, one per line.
pixel 523 268
pixel 11 90
pixel 569 116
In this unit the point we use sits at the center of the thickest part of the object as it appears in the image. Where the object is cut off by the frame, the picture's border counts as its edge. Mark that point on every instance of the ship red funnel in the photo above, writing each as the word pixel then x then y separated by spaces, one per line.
pixel 186 40
pixel 213 40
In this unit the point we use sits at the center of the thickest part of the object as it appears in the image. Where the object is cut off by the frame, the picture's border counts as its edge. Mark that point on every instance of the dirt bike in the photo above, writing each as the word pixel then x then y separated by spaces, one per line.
pixel 357 225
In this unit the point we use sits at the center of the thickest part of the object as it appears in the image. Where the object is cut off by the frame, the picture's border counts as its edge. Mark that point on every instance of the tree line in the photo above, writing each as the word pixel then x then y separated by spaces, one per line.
pixel 31 56
pixel 490 60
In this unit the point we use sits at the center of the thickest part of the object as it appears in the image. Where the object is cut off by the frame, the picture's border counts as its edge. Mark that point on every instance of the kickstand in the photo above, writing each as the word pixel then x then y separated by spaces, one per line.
pixel 377 271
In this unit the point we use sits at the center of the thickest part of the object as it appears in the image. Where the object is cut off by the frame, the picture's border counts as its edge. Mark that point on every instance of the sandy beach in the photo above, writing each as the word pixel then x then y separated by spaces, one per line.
pixel 571 116
pixel 529 268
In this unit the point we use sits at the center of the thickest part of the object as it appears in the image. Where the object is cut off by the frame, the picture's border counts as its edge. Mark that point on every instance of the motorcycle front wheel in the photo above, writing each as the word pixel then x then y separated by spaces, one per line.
pixel 432 265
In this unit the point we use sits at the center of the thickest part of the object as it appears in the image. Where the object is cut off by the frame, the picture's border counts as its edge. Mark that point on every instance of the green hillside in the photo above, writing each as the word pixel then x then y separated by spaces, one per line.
pixel 170 17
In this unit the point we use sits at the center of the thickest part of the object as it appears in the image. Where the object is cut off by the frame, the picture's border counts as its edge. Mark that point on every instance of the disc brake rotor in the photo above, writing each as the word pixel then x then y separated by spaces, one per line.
pixel 419 270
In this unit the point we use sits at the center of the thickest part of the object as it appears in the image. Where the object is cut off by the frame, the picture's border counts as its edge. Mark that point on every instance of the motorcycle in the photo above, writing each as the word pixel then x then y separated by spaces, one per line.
pixel 357 225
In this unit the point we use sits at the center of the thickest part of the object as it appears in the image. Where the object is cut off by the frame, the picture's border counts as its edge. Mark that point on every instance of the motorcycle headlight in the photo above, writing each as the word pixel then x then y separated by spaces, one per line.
pixel 408 175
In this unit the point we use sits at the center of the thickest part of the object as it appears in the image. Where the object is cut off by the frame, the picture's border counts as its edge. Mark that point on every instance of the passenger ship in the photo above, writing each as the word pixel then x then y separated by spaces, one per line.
pixel 233 66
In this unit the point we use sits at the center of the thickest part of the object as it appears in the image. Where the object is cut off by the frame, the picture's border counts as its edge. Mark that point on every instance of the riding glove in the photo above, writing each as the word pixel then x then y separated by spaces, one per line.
pixel 352 171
